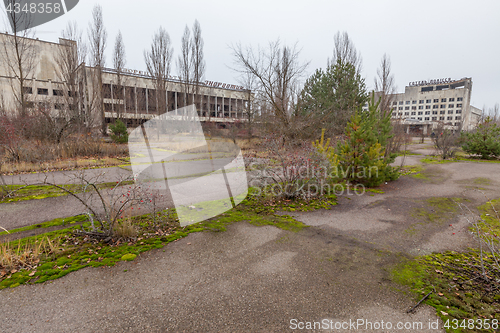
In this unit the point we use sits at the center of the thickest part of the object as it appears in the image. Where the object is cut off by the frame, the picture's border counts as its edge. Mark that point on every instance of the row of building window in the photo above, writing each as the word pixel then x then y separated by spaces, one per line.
pixel 45 91
pixel 413 113
pixel 436 100
pixel 435 106
pixel 440 118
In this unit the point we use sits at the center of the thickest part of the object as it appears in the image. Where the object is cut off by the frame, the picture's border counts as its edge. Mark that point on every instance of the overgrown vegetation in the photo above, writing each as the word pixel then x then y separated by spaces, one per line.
pixel 464 287
pixel 446 141
pixel 119 130
pixel 484 140
pixel 50 256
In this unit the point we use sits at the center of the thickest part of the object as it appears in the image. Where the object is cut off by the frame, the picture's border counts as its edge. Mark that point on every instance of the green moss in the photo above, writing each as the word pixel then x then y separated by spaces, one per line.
pixel 458 158
pixel 489 222
pixel 482 181
pixel 448 276
pixel 72 257
pixel 56 222
pixel 373 190
pixel 37 192
pixel 438 209
pixel 411 170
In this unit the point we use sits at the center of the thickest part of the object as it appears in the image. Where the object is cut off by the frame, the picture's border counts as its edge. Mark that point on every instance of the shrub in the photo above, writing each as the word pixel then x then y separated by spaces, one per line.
pixel 446 142
pixel 484 141
pixel 361 156
pixel 119 130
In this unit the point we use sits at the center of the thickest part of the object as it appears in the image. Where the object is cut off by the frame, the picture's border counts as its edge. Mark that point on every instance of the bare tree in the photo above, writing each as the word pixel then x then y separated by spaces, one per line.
pixel 98 38
pixel 158 62
pixel 249 82
pixel 70 61
pixel 345 51
pixel 277 71
pixel 119 62
pixel 198 62
pixel 19 55
pixel 384 84
pixel 185 64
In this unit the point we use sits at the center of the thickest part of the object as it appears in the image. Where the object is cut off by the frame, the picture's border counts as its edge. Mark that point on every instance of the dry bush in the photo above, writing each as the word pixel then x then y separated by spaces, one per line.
pixel 446 142
pixel 36 138
pixel 25 256
pixel 125 228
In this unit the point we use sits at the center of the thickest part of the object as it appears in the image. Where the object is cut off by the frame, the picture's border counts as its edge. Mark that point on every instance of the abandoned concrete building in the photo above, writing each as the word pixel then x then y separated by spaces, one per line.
pixel 425 104
pixel 128 94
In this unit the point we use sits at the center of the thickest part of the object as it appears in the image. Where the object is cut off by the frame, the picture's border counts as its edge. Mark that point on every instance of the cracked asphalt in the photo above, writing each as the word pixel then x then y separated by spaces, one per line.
pixel 263 279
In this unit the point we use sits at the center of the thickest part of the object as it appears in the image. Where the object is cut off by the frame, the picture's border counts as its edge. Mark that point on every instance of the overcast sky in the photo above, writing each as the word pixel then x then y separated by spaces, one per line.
pixel 424 39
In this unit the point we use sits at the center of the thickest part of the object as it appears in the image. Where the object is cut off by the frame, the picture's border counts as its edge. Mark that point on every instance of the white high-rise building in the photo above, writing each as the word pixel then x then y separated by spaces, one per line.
pixel 425 104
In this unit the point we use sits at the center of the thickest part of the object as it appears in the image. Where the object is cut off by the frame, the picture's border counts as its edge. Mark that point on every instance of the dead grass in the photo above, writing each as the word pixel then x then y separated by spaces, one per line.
pixel 68 164
pixel 25 255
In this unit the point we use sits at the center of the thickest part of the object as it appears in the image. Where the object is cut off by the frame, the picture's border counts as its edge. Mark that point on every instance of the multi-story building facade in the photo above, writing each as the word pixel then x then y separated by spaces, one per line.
pixel 425 104
pixel 128 94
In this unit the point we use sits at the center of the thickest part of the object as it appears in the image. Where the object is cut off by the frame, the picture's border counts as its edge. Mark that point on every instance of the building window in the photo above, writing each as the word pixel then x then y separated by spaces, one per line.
pixel 441 118
pixel 435 106
pixel 426 118
pixel 449 118
pixel 57 92
pixel 421 101
pixel 413 113
pixel 458 117
pixel 451 106
pixel 459 111
pixel 427 112
pixel 413 102
pixel 407 113
pixel 459 105
pixel 400 102
pixel 452 99
pixel 407 102
pixel 407 108
pixel 434 118
pixel 400 108
pixel 419 118
pixel 450 111
pixel 420 107
pixel 394 103
pixel 27 90
pixel 443 100
pixel 420 113
pixel 43 91
pixel 436 100
pixel 443 106
pixel 427 107
pixel 427 101
pixel 413 107
pixel 459 99
pixel 58 106
pixel 442 112
pixel 434 112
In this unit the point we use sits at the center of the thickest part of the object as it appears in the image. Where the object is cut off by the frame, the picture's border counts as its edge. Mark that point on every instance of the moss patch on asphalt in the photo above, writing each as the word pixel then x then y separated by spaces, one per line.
pixel 71 252
pixel 489 223
pixel 437 209
pixel 36 192
pixel 458 291
pixel 56 222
